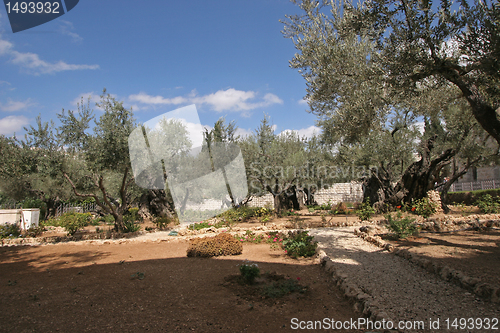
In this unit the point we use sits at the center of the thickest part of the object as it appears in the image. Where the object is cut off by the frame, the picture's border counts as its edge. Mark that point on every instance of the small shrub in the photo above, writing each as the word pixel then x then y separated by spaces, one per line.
pixel 138 275
pixel 326 206
pixel 220 245
pixel 282 288
pixel 299 244
pixel 488 205
pixel 206 224
pixel 130 226
pixel 9 230
pixel 341 208
pixel 365 211
pixel 249 271
pixel 35 231
pixel 109 219
pixel 242 214
pixel 275 239
pixel 73 221
pixel 401 227
pixel 134 214
pixel 95 222
pixel 424 207
pixel 249 237
pixel 161 222
pixel 291 213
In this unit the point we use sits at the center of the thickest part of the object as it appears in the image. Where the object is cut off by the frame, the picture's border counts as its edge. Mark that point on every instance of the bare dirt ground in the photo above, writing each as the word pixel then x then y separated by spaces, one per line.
pixel 475 253
pixel 153 286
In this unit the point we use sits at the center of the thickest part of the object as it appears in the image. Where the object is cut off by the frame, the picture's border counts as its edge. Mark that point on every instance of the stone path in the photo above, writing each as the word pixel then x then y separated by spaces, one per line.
pixel 402 290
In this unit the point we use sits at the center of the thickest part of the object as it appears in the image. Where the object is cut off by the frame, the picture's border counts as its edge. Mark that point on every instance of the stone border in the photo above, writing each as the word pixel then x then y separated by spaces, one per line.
pixel 484 290
pixel 363 302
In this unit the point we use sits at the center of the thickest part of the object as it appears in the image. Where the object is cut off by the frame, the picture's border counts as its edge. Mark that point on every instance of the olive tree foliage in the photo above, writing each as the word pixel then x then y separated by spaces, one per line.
pixel 105 169
pixel 375 68
pixel 220 142
pixel 280 165
pixel 32 167
pixel 361 59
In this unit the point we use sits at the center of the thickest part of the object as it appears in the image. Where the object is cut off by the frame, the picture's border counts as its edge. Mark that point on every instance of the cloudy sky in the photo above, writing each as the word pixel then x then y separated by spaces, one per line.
pixel 227 57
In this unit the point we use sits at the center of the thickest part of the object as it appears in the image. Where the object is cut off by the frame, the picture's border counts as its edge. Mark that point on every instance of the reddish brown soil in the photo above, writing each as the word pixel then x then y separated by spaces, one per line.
pixel 475 253
pixel 90 287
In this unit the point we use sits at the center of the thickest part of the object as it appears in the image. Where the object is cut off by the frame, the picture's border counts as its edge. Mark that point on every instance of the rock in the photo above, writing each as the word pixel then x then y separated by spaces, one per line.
pixel 484 290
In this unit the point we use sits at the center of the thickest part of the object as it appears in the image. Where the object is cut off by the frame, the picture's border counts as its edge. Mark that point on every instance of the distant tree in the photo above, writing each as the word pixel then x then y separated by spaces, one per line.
pixel 32 167
pixel 220 140
pixel 280 165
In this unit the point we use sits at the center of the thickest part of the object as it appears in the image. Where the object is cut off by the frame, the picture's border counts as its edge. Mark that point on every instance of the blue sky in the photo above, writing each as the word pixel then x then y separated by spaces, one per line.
pixel 227 57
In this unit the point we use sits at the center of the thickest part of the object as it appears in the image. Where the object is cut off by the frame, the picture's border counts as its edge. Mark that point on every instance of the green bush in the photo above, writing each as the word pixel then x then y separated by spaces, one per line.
pixel 282 288
pixel 401 227
pixel 130 226
pixel 108 219
pixel 488 204
pixel 292 213
pixel 325 206
pixel 299 244
pixel 161 222
pixel 340 208
pixel 35 231
pixel 424 207
pixel 205 224
pixel 9 230
pixel 35 203
pixel 249 271
pixel 470 197
pixel 365 211
pixel 73 221
pixel 134 214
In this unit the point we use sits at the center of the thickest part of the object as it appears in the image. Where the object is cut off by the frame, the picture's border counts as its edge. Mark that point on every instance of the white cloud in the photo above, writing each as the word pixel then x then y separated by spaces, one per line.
pixel 65 28
pixel 156 100
pixel 222 100
pixel 11 124
pixel 12 106
pixel 303 102
pixel 307 132
pixel 244 132
pixel 5 46
pixel 32 63
pixel 230 99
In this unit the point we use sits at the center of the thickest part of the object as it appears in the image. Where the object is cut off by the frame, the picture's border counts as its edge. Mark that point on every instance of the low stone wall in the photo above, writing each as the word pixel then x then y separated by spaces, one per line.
pixel 341 192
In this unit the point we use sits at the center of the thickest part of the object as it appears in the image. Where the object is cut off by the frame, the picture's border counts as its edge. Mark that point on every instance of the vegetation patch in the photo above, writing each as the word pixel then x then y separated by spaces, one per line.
pixel 365 211
pixel 299 244
pixel 402 227
pixel 220 245
pixel 9 230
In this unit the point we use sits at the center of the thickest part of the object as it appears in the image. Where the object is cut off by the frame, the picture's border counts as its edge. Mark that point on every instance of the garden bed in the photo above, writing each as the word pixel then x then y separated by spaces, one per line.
pixel 154 286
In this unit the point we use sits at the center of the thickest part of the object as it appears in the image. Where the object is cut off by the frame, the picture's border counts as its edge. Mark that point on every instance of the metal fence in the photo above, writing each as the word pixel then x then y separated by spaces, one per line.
pixel 67 207
pixel 474 186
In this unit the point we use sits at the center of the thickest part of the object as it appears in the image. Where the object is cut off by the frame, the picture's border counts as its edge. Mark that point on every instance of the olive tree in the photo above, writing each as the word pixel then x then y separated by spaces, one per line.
pixel 105 173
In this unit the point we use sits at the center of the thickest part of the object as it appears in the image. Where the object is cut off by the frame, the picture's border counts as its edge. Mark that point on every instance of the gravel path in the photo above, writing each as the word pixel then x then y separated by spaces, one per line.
pixel 404 291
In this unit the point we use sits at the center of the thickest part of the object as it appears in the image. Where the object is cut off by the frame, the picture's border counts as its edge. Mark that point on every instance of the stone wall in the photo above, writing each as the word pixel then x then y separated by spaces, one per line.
pixel 341 192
